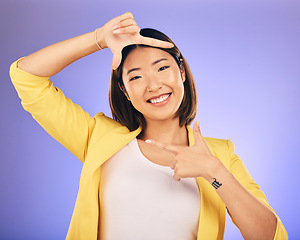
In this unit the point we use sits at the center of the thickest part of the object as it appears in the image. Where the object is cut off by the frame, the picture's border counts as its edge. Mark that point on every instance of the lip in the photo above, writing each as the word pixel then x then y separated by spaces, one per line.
pixel 160 103
pixel 158 96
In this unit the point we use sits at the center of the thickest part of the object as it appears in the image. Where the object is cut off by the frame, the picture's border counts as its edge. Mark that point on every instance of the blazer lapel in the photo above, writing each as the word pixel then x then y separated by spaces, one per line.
pixel 210 203
pixel 87 203
pixel 100 153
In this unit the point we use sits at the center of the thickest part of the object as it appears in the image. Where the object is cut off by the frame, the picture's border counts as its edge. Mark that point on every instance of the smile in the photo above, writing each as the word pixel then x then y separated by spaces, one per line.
pixel 160 98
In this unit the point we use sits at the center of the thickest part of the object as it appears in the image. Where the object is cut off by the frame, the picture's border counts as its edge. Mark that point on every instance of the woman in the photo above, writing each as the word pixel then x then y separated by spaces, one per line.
pixel 126 188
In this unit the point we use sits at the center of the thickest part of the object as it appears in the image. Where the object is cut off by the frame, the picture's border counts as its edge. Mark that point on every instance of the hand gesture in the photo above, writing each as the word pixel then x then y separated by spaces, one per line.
pixel 122 31
pixel 195 161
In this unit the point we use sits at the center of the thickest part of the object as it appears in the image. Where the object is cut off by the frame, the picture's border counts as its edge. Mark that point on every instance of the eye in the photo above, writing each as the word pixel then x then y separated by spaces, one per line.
pixel 134 78
pixel 163 68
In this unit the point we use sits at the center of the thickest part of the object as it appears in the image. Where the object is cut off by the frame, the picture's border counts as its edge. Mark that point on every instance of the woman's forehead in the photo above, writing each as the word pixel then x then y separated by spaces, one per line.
pixel 145 55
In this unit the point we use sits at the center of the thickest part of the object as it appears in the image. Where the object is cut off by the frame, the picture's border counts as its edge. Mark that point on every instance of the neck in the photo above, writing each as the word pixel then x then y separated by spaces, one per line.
pixel 165 132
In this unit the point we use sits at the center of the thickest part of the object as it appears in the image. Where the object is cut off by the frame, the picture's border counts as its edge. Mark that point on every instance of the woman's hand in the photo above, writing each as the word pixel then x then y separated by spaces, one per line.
pixel 195 161
pixel 122 31
pixel 254 219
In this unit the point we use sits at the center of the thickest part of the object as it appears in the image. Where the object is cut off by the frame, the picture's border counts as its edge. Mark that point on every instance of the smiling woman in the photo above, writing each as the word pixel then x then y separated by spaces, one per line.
pixel 127 188
pixel 163 59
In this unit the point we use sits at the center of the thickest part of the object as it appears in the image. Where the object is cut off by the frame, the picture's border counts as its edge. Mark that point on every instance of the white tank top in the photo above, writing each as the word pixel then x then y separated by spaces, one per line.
pixel 140 200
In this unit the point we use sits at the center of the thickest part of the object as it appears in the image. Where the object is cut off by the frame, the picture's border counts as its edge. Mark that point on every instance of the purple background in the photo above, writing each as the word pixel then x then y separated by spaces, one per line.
pixel 245 60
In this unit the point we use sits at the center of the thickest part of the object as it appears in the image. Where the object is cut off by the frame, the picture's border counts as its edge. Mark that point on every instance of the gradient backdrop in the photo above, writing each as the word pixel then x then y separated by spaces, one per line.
pixel 245 59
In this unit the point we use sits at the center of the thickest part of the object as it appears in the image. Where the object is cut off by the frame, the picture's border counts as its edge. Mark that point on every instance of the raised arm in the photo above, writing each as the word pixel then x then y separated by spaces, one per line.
pixel 115 34
pixel 52 59
pixel 64 120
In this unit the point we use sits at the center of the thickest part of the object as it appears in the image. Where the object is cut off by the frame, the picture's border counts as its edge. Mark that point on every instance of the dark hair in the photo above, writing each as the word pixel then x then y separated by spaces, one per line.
pixel 122 109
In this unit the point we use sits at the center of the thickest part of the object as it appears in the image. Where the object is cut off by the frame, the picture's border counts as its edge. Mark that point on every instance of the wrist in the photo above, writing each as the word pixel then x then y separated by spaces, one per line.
pixel 216 171
pixel 99 38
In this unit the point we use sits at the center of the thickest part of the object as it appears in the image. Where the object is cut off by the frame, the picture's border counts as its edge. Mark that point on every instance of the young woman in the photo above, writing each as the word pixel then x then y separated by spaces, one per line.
pixel 146 174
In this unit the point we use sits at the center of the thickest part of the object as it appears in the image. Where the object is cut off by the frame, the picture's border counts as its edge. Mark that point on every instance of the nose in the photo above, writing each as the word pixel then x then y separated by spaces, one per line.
pixel 154 84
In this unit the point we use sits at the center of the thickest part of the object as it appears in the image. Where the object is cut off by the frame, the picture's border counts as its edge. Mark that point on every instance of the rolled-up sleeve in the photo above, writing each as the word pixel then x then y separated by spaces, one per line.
pixel 64 120
pixel 240 172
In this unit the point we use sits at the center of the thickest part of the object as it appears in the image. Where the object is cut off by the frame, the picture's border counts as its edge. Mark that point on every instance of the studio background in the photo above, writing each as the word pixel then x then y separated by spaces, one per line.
pixel 244 56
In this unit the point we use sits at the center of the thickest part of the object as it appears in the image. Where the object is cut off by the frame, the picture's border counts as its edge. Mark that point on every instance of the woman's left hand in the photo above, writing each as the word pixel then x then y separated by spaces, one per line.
pixel 194 161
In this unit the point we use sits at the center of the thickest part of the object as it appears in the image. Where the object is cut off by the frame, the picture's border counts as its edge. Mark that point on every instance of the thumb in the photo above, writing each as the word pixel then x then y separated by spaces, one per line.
pixel 197 132
pixel 116 60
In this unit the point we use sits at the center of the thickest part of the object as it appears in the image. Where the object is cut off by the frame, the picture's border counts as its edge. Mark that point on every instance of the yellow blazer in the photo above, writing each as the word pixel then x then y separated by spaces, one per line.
pixel 95 140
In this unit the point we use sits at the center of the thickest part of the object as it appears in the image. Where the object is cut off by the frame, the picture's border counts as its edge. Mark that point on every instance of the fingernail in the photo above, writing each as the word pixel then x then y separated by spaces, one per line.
pixel 148 141
pixel 114 27
pixel 169 45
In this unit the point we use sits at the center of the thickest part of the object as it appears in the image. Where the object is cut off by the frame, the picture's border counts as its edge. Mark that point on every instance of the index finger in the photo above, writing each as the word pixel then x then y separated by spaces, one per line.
pixel 156 43
pixel 164 146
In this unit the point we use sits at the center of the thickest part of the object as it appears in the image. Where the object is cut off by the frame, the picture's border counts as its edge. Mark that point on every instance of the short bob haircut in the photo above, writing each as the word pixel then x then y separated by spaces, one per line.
pixel 122 109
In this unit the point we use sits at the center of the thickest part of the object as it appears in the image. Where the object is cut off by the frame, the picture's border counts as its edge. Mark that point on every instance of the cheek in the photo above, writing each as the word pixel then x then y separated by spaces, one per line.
pixel 135 92
pixel 178 83
pixel 136 99
pixel 179 91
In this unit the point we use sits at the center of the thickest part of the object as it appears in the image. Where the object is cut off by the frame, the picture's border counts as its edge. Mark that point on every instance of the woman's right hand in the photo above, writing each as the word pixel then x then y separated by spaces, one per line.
pixel 123 31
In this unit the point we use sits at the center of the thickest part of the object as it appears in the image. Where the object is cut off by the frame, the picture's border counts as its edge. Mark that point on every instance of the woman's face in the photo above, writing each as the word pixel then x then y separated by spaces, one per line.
pixel 153 82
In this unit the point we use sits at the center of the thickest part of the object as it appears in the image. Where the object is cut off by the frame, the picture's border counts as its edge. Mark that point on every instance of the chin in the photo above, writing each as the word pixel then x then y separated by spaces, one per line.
pixel 165 118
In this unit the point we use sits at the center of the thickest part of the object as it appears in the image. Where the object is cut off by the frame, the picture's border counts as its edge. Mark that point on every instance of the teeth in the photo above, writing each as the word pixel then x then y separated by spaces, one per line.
pixel 160 99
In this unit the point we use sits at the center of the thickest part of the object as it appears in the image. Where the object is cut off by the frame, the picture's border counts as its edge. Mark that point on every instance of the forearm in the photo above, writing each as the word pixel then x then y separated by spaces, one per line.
pixel 52 59
pixel 254 219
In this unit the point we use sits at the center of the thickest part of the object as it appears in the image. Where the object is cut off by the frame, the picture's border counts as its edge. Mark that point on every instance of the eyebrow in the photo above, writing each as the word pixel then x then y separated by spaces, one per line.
pixel 157 61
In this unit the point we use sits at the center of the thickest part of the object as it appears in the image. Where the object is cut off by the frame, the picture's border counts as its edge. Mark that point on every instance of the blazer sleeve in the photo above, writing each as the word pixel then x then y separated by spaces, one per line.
pixel 57 114
pixel 240 172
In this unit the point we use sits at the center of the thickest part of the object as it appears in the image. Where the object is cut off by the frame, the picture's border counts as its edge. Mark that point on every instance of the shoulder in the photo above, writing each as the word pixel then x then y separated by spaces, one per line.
pixel 221 148
pixel 219 144
pixel 101 119
pixel 108 132
pixel 105 125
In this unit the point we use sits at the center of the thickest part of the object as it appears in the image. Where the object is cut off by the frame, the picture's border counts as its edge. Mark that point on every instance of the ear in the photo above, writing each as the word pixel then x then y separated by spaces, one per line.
pixel 124 91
